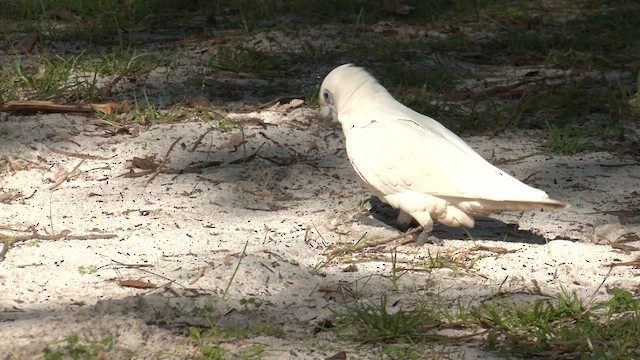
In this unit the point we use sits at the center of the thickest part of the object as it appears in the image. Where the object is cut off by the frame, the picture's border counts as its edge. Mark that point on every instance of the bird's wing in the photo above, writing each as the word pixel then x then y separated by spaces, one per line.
pixel 399 154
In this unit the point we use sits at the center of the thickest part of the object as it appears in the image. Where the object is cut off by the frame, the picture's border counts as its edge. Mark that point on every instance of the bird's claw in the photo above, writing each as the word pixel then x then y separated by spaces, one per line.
pixel 426 238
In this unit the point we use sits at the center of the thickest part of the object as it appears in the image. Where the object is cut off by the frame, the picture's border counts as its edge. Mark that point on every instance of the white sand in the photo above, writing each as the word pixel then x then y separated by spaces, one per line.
pixel 289 212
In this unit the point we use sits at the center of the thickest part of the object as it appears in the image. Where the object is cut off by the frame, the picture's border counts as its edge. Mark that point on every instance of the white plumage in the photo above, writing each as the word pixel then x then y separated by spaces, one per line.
pixel 415 164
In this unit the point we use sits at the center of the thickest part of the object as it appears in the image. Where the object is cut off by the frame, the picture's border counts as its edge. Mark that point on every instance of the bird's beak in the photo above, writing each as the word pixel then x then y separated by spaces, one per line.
pixel 326 112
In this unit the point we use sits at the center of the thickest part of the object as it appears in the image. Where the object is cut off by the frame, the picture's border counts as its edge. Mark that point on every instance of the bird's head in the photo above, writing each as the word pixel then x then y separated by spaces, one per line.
pixel 338 87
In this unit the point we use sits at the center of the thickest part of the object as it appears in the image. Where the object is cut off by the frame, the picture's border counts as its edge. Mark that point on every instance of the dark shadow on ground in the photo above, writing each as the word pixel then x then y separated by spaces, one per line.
pixel 485 228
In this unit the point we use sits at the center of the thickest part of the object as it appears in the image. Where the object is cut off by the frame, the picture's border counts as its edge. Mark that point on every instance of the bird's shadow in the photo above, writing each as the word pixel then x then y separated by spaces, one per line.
pixel 485 228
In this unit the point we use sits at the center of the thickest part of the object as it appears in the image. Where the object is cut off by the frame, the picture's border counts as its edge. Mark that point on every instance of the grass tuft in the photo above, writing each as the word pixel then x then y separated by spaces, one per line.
pixel 558 327
pixel 374 323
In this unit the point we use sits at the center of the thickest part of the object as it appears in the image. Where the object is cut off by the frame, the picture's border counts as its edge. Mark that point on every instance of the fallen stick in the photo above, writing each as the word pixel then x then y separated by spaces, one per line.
pixel 246 158
pixel 199 275
pixel 35 235
pixel 79 155
pixel 195 145
pixel 195 169
pixel 3 252
pixel 163 162
pixel 634 263
pixel 350 249
pixel 278 99
pixel 50 106
pixel 62 235
pixel 66 177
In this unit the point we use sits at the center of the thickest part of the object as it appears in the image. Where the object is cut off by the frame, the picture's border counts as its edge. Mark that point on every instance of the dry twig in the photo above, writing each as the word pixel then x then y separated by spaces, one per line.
pixel 52 107
pixel 195 145
pixel 199 275
pixel 277 100
pixel 79 155
pixel 8 241
pixel 633 263
pixel 66 177
pixel 350 249
pixel 247 158
pixel 164 161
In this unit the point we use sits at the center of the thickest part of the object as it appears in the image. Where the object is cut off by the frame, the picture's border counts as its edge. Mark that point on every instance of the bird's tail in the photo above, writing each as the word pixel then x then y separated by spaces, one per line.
pixel 481 207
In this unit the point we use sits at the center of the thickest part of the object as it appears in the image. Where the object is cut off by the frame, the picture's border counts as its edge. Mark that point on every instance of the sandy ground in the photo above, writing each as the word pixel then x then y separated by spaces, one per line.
pixel 289 205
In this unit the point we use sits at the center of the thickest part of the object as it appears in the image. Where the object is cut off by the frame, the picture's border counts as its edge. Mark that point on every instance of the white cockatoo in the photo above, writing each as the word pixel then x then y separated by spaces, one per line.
pixel 415 164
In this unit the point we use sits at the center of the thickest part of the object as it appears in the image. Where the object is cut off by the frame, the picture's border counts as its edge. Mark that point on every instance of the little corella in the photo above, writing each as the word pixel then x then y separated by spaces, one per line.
pixel 415 164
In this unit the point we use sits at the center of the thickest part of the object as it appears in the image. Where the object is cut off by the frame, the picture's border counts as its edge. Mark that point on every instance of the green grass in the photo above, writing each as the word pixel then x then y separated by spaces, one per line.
pixel 48 79
pixel 211 342
pixel 422 71
pixel 565 327
pixel 81 77
pixel 374 323
pixel 559 327
pixel 235 58
pixel 568 139
pixel 99 22
pixel 73 347
pixel 145 112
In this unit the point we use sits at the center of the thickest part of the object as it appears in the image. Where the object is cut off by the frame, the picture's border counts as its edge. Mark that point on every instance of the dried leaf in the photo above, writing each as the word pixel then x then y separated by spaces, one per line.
pixel 137 284
pixel 42 72
pixel 106 108
pixel 25 44
pixel 350 268
pixel 65 15
pixel 19 165
pixel 60 174
pixel 60 136
pixel 628 237
pixel 273 107
pixel 234 141
pixel 199 275
pixel 495 249
pixel 9 196
pixel 64 233
pixel 229 259
pixel 634 263
pixel 288 107
pixel 624 247
pixel 341 355
pixel 145 163
pixel 255 192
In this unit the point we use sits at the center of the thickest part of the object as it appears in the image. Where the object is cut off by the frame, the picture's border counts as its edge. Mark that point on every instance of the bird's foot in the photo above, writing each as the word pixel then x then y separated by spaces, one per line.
pixel 427 238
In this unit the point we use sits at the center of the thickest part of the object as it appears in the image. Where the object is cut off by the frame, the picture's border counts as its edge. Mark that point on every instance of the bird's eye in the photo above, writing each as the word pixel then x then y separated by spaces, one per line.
pixel 328 97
